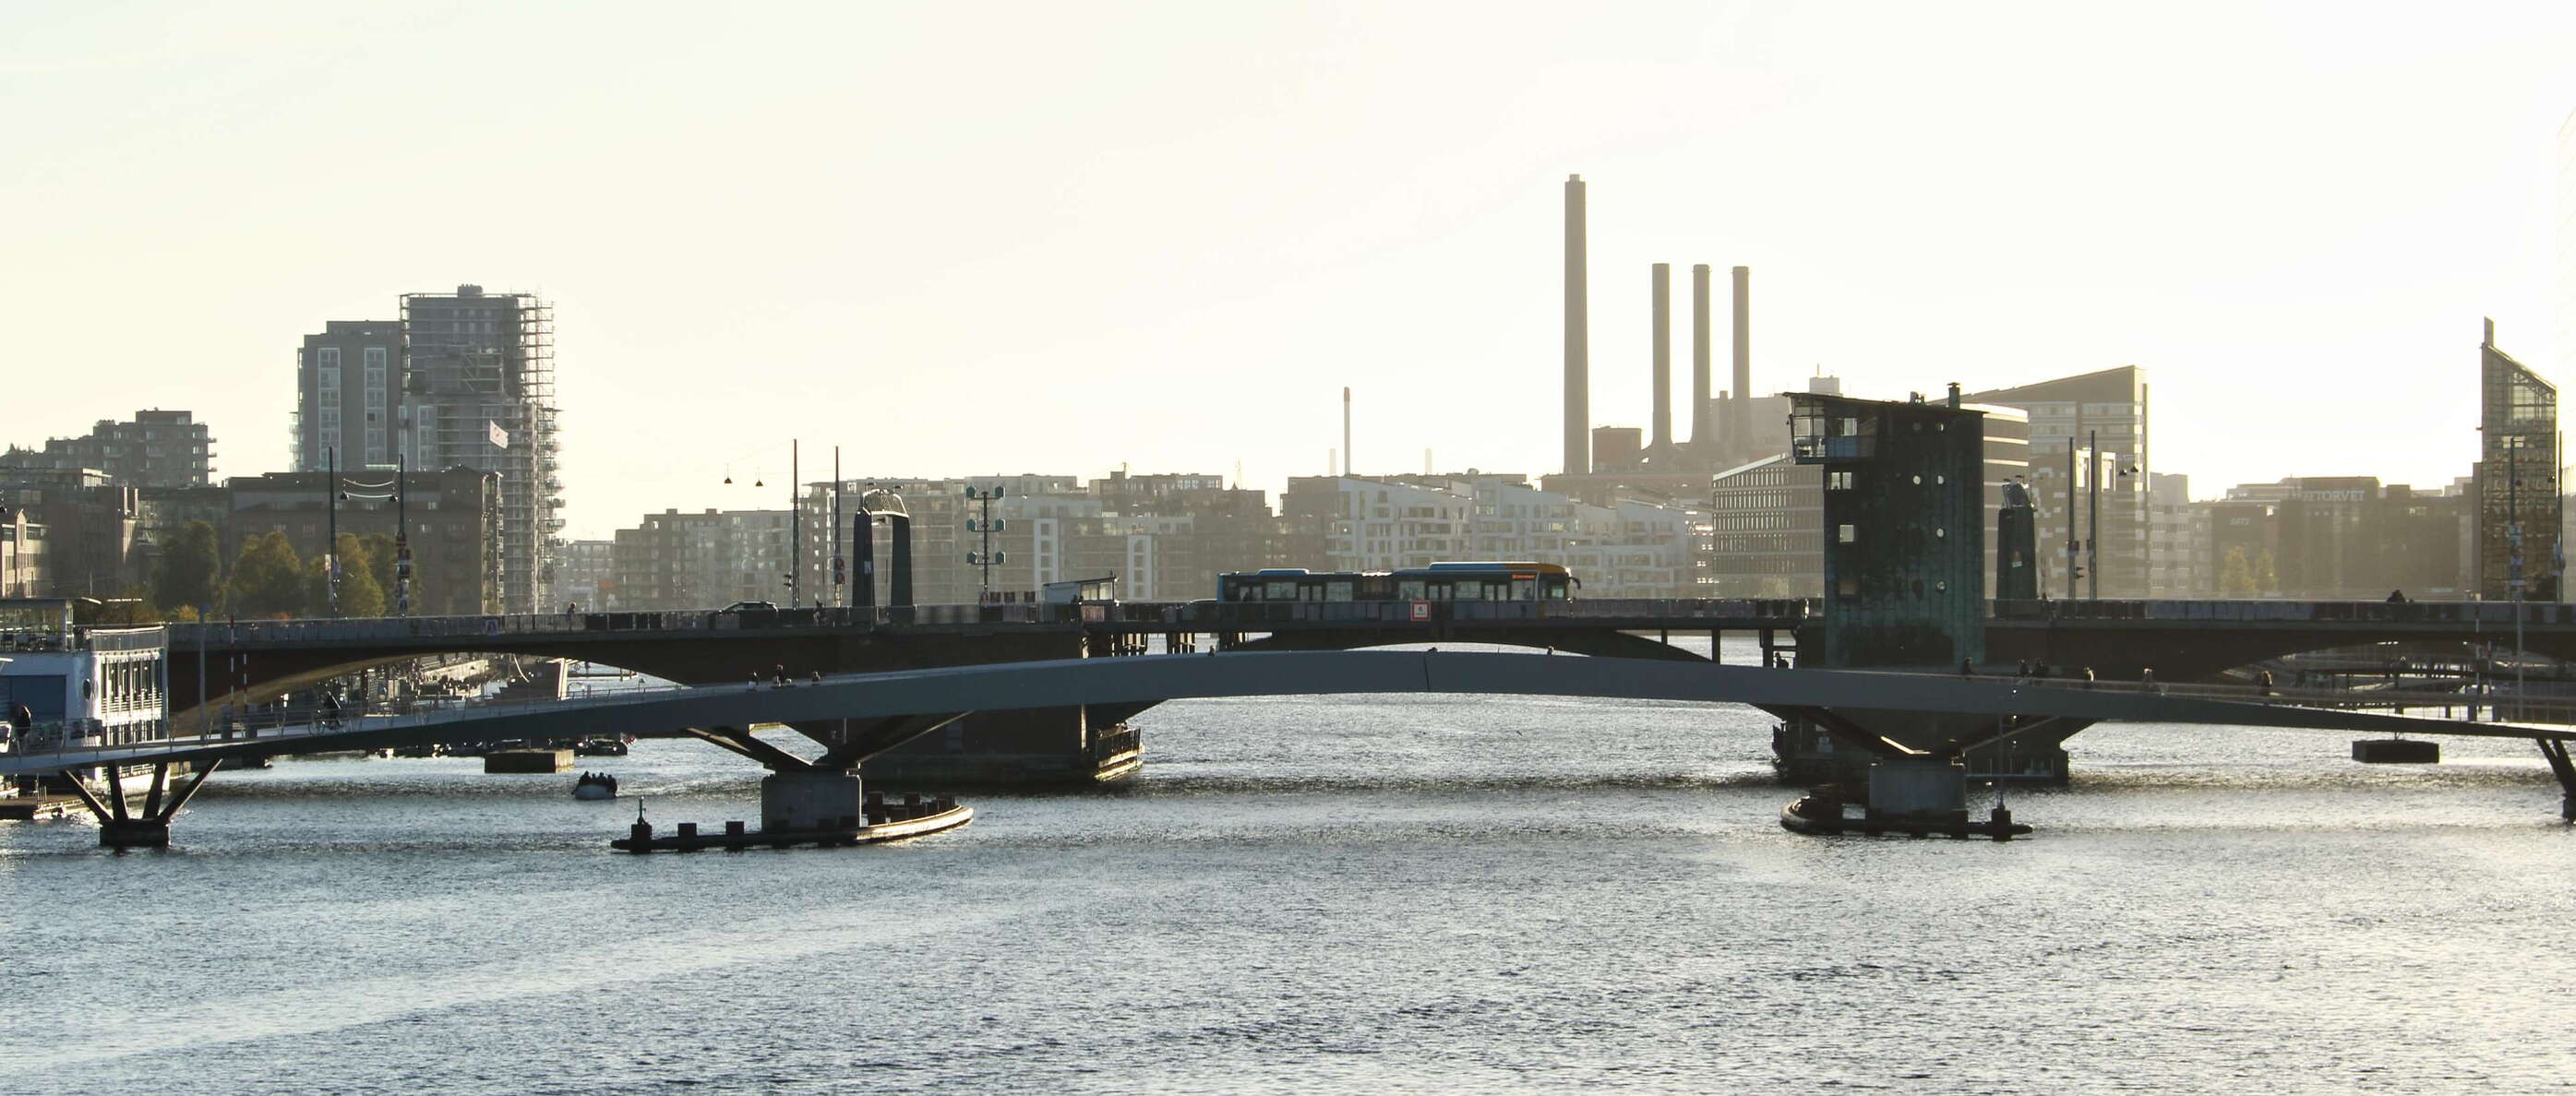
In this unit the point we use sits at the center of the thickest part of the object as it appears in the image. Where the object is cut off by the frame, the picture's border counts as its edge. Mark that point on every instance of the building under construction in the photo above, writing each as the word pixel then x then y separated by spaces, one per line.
pixel 479 392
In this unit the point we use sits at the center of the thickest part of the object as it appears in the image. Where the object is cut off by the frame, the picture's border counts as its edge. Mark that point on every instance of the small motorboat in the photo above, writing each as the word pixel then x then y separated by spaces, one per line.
pixel 600 747
pixel 595 786
pixel 1819 812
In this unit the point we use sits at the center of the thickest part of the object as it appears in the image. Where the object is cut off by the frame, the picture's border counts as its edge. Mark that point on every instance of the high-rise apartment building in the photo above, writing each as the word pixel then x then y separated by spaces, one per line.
pixel 348 396
pixel 477 391
pixel 2518 505
pixel 153 449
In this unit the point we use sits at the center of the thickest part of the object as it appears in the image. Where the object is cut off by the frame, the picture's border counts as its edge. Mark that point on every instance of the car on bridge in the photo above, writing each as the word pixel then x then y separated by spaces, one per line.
pixel 750 607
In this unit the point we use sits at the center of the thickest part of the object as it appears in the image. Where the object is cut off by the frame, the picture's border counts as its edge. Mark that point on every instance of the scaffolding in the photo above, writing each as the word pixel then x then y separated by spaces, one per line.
pixel 480 392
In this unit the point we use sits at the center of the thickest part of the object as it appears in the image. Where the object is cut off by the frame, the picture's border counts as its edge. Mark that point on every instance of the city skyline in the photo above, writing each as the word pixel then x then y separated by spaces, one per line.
pixel 1371 202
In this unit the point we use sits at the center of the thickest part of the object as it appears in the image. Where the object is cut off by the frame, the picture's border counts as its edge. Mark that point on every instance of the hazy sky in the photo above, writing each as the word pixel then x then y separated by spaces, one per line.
pixel 1055 237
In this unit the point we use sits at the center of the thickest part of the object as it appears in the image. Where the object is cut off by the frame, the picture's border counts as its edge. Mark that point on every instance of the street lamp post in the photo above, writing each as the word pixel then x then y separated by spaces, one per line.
pixel 795 531
pixel 2093 514
pixel 840 572
pixel 987 559
pixel 331 529
pixel 402 535
pixel 2513 567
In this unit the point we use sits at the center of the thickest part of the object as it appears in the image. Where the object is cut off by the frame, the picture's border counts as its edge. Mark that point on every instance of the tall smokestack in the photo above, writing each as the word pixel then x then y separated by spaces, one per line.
pixel 1740 430
pixel 1663 438
pixel 1578 338
pixel 1346 427
pixel 1703 438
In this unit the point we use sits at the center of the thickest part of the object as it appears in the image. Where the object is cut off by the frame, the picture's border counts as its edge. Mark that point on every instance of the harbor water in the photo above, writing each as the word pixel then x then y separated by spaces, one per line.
pixel 1338 894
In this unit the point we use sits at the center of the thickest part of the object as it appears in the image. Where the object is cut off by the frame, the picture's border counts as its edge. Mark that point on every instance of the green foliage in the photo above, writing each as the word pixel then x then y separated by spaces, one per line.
pixel 128 607
pixel 360 594
pixel 2236 577
pixel 267 579
pixel 380 564
pixel 2264 575
pixel 190 575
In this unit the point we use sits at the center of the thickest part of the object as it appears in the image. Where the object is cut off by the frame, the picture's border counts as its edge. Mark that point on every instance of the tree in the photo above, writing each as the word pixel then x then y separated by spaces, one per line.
pixel 129 607
pixel 380 562
pixel 190 575
pixel 2265 576
pixel 360 594
pixel 267 579
pixel 2236 577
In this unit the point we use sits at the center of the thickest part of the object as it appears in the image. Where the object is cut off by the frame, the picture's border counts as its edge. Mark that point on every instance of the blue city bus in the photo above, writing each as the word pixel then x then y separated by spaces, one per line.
pixel 1524 582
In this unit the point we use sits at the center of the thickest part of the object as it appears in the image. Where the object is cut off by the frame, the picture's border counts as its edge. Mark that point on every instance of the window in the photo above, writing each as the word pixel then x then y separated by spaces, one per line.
pixel 1842 481
pixel 1845 534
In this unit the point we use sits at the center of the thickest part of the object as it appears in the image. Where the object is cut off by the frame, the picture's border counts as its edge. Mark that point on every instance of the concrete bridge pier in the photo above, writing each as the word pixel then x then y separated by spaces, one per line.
pixel 120 827
pixel 811 799
pixel 1034 747
pixel 2555 750
pixel 1838 746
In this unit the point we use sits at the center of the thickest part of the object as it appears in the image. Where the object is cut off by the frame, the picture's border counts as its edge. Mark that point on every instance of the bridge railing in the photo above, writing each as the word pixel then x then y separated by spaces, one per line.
pixel 1215 615
pixel 2500 613
pixel 2501 705
pixel 55 735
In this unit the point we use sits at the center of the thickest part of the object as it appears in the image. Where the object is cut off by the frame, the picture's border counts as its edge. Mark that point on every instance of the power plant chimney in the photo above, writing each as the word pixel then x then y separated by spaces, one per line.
pixel 1346 429
pixel 1663 439
pixel 1578 338
pixel 1703 438
pixel 1740 426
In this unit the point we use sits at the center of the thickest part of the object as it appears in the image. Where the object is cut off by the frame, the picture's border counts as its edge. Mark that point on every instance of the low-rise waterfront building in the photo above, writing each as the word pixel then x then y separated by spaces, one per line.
pixel 450 517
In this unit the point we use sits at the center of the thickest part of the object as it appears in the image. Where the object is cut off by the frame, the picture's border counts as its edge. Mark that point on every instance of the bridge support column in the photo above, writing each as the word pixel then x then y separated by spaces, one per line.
pixel 1033 747
pixel 120 828
pixel 1918 792
pixel 812 799
pixel 2555 750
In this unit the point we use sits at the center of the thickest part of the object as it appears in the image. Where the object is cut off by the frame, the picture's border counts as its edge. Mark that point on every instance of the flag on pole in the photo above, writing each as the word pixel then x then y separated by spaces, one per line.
pixel 500 438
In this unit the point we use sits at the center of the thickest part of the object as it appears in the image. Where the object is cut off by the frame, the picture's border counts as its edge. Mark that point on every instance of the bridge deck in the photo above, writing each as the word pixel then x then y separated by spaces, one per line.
pixel 1155 678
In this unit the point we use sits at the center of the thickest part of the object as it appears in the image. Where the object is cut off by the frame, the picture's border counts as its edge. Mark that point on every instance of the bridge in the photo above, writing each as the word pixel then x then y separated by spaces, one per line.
pixel 253 661
pixel 856 717
pixel 229 666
